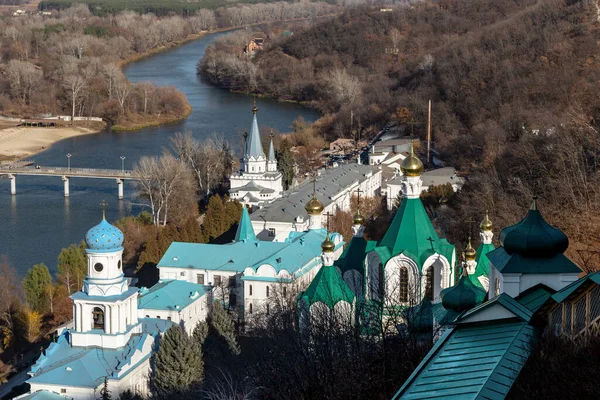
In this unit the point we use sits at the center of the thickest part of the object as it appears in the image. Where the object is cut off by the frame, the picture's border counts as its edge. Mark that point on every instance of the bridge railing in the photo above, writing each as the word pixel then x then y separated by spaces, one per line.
pixel 95 172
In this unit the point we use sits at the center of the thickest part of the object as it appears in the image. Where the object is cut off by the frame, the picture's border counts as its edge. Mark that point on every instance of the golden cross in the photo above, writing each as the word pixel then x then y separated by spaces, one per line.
pixel 412 123
pixel 358 192
pixel 103 204
pixel 328 214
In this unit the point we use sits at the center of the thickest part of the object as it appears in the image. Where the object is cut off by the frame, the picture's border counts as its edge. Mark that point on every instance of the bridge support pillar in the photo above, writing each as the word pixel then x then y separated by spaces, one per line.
pixel 13 183
pixel 66 184
pixel 120 185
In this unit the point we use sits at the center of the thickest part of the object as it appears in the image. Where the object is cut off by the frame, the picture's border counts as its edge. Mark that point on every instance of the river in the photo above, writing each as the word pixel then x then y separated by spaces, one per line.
pixel 39 221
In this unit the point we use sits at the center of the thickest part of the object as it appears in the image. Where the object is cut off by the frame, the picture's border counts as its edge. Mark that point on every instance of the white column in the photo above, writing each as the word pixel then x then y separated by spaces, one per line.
pixel 107 318
pixel 79 326
pixel 122 313
pixel 120 185
pixel 13 183
pixel 66 184
pixel 75 318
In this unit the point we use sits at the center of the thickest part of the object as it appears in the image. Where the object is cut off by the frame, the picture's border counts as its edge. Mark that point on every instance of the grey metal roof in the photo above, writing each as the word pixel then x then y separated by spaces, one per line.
pixel 436 177
pixel 271 151
pixel 331 182
pixel 249 187
pixel 254 147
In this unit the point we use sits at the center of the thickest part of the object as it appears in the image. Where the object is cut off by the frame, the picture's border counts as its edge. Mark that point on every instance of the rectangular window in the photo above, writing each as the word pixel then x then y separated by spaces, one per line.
pixel 200 278
pixel 271 232
pixel 63 390
pixel 169 318
pixel 217 280
pixel 268 291
pixel 232 281
pixel 182 274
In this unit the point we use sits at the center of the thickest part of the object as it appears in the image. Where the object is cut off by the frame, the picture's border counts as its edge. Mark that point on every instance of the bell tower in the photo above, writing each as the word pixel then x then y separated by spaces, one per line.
pixel 105 310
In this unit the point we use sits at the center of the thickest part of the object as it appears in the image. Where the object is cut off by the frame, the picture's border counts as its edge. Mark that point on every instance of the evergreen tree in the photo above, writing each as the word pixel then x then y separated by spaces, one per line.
pixel 224 325
pixel 201 332
pixel 129 395
pixel 35 286
pixel 177 364
pixel 104 392
pixel 285 162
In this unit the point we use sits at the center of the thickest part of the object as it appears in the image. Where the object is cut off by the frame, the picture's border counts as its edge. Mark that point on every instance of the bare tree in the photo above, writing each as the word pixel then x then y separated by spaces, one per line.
pixel 24 79
pixel 343 87
pixel 111 73
pixel 122 89
pixel 159 181
pixel 206 159
pixel 75 84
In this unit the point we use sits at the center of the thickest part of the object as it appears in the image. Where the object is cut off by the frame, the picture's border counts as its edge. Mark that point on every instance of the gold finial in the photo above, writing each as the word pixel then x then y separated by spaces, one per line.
pixel 103 204
pixel 534 203
pixel 486 224
pixel 254 108
pixel 314 206
pixel 412 166
pixel 358 219
pixel 328 246
pixel 470 253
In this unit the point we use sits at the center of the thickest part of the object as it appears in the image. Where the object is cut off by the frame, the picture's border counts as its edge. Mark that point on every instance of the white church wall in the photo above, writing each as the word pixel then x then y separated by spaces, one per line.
pixel 392 280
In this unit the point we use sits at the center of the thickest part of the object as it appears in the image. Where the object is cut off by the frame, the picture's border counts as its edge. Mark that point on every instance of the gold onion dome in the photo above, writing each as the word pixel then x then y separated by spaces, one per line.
pixel 314 206
pixel 328 246
pixel 358 219
pixel 412 166
pixel 470 253
pixel 486 224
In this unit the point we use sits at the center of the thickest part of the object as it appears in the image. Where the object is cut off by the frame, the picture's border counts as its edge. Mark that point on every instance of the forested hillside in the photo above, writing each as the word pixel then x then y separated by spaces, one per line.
pixel 513 85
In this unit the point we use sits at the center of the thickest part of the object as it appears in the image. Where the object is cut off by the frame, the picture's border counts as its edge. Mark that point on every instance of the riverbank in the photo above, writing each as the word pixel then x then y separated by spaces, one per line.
pixel 20 142
pixel 157 120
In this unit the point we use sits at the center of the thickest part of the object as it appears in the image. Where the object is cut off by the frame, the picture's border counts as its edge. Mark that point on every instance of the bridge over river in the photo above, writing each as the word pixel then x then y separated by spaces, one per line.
pixel 65 173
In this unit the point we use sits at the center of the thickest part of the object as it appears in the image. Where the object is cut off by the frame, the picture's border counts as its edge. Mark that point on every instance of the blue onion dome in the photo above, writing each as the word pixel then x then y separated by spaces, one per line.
pixel 462 296
pixel 104 237
pixel 533 236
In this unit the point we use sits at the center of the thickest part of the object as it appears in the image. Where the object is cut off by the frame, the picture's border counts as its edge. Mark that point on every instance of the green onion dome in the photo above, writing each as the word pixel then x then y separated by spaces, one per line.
pixel 462 296
pixel 533 236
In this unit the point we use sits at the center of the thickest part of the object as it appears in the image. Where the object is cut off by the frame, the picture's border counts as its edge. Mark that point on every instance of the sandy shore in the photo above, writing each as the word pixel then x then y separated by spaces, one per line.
pixel 20 142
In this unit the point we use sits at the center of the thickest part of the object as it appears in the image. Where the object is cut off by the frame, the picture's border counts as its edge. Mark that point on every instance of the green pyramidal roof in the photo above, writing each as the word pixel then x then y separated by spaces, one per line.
pixel 354 255
pixel 412 233
pixel 245 232
pixel 328 287
pixel 483 264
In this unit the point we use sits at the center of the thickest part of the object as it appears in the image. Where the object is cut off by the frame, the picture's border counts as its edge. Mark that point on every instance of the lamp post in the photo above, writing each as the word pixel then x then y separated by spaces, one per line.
pixel 69 161
pixel 123 164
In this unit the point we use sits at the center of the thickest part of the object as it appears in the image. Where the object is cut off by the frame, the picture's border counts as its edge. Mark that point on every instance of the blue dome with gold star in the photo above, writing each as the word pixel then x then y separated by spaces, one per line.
pixel 104 237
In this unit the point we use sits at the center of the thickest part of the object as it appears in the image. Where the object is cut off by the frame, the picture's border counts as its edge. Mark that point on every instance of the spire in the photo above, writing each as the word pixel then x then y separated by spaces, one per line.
pixel 245 232
pixel 533 204
pixel 358 219
pixel 271 148
pixel 103 204
pixel 254 147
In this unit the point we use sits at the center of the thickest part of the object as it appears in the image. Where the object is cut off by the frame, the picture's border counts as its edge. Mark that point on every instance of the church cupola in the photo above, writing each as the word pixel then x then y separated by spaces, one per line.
pixel 462 296
pixel 314 209
pixel 328 247
pixel 412 168
pixel 470 255
pixel 357 221
pixel 104 250
pixel 254 156
pixel 486 233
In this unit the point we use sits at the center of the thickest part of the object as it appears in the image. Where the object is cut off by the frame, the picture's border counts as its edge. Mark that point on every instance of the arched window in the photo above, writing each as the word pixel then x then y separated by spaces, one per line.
pixel 268 292
pixel 429 283
pixel 250 308
pixel 497 286
pixel 284 291
pixel 250 290
pixel 267 309
pixel 98 318
pixel 403 284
